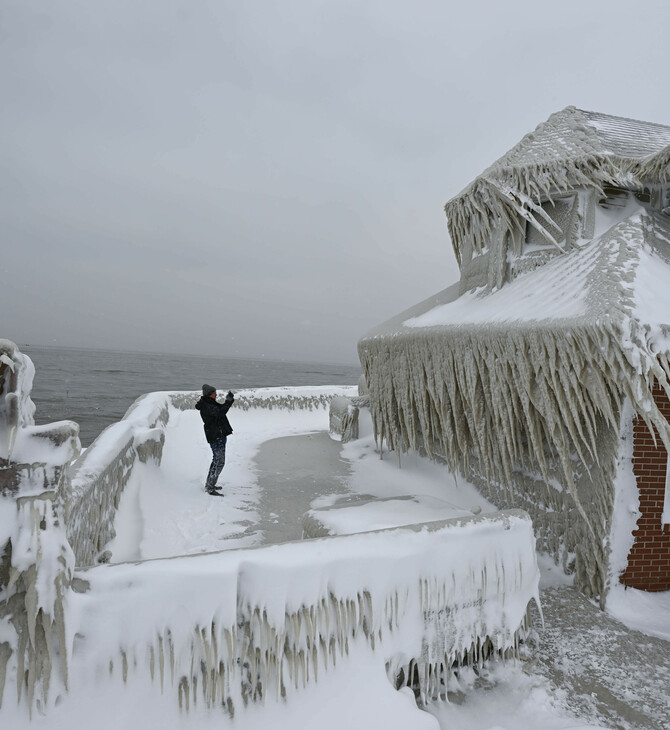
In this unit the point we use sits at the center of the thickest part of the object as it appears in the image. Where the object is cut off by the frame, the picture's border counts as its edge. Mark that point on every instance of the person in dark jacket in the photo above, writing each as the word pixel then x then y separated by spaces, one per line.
pixel 217 430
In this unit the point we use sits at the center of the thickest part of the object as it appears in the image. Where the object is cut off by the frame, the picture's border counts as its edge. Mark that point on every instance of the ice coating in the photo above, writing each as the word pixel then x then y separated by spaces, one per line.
pixel 376 514
pixel 16 408
pixel 230 627
pixel 36 561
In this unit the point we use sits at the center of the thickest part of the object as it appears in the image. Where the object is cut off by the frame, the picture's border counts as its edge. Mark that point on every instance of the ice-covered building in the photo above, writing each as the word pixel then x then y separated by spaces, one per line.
pixel 543 373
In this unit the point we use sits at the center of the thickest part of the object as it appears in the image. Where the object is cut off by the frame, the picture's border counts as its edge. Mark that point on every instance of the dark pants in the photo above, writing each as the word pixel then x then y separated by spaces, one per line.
pixel 218 461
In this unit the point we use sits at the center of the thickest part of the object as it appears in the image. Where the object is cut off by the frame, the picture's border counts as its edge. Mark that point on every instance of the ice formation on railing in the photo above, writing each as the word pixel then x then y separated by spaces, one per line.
pixel 102 472
pixel 35 597
pixel 343 418
pixel 36 561
pixel 289 398
pixel 251 625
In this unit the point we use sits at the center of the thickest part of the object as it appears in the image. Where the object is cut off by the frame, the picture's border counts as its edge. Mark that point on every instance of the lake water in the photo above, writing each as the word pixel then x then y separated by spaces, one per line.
pixel 96 387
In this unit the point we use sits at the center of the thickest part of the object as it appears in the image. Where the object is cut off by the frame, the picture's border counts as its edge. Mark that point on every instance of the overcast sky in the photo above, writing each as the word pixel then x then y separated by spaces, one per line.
pixel 268 178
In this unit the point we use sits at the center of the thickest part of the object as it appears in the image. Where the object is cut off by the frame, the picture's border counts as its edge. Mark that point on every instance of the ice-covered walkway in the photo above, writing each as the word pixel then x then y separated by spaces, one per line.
pixel 292 471
pixel 604 672
pixel 164 510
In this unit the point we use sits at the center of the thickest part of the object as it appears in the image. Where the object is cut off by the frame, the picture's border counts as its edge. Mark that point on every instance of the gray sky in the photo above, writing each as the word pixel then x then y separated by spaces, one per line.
pixel 268 178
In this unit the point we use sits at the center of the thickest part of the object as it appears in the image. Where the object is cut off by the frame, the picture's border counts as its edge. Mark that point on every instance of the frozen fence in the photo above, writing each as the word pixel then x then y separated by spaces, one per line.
pixel 308 397
pixel 248 625
pixel 102 472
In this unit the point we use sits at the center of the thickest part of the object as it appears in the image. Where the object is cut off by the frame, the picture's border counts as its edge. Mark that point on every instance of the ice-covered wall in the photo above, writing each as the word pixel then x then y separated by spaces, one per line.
pixel 577 533
pixel 247 625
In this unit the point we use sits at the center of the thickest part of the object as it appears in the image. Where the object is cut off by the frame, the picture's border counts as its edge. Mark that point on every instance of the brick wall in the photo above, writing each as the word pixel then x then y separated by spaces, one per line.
pixel 649 558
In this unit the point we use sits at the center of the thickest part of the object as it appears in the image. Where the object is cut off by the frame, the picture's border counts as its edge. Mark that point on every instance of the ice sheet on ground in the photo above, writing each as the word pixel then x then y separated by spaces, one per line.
pixel 377 514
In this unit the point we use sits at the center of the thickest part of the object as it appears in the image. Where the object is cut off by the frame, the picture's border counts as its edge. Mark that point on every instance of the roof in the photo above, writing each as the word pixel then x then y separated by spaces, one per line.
pixel 629 138
pixel 572 149
pixel 573 134
pixel 621 275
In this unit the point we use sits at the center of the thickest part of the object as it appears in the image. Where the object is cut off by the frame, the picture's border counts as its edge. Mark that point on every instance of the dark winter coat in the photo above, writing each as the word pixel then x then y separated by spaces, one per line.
pixel 214 418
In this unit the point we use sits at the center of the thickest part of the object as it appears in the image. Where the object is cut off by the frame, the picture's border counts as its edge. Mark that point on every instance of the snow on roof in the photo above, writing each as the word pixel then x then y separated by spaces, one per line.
pixel 574 133
pixel 628 137
pixel 615 276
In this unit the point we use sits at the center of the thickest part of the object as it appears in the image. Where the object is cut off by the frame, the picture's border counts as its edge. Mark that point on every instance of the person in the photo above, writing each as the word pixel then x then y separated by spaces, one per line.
pixel 217 429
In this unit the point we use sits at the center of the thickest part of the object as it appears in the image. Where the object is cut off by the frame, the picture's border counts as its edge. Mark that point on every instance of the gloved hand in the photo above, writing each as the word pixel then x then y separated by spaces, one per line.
pixel 229 395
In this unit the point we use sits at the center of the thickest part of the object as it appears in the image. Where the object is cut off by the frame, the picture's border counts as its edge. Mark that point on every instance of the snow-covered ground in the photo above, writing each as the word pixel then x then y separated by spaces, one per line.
pixel 165 512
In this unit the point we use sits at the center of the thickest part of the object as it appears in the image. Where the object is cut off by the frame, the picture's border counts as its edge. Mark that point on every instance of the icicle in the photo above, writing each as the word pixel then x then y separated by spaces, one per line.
pixel 171 653
pixel 161 661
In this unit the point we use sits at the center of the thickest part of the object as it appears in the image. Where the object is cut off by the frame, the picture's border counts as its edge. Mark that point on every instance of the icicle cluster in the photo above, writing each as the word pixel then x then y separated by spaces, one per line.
pixel 519 399
pixel 36 561
pixel 40 572
pixel 269 621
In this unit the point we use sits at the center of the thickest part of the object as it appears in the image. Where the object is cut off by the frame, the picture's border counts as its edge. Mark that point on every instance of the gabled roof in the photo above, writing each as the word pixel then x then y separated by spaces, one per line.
pixel 572 149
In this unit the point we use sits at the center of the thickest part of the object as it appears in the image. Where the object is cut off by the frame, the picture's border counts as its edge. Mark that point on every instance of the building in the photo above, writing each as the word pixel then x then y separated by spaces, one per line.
pixel 543 373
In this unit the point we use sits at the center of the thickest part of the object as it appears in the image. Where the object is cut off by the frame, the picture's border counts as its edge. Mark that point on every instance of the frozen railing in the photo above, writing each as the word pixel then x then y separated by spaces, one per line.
pixel 343 416
pixel 270 620
pixel 102 472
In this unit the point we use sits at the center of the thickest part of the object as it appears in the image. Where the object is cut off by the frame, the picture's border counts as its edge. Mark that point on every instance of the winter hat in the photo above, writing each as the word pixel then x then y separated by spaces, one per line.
pixel 207 390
